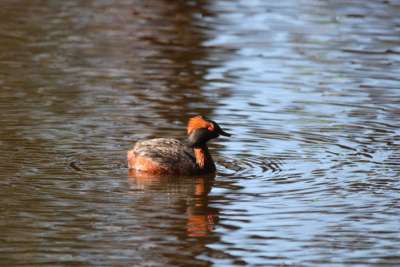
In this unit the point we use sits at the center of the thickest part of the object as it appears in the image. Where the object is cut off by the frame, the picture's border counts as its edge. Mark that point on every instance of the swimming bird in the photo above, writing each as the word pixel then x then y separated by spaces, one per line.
pixel 167 156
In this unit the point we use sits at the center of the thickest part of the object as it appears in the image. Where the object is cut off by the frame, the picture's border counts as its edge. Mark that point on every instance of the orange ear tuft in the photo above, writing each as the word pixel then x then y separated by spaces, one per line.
pixel 198 122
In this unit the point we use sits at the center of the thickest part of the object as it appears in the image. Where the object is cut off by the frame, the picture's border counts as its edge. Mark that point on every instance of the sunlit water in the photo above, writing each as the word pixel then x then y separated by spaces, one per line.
pixel 310 91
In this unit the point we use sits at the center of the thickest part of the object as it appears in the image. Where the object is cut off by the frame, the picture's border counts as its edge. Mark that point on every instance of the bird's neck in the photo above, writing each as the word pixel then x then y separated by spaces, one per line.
pixel 203 159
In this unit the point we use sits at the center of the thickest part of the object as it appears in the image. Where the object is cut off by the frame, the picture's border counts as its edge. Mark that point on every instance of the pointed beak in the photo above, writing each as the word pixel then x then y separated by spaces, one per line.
pixel 222 132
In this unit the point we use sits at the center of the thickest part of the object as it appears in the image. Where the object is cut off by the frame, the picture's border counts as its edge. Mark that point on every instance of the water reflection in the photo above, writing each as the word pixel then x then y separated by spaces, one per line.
pixel 201 218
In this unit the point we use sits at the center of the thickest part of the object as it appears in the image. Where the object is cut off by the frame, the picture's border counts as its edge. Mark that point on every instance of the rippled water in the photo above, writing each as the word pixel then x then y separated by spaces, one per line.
pixel 309 89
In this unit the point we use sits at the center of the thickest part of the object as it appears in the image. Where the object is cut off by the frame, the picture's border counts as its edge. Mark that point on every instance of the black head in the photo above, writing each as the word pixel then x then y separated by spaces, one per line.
pixel 201 130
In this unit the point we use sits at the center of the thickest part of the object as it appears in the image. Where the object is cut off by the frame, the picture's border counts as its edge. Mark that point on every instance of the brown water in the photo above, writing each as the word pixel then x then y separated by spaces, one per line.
pixel 309 89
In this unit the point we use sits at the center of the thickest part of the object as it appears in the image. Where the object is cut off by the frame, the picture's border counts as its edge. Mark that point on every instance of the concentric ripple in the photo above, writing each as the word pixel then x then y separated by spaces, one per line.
pixel 249 167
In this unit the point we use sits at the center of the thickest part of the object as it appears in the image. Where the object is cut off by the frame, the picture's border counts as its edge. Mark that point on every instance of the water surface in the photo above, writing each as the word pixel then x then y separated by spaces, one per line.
pixel 309 89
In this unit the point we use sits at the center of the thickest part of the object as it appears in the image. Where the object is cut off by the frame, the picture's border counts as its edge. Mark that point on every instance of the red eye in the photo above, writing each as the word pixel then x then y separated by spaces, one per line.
pixel 211 127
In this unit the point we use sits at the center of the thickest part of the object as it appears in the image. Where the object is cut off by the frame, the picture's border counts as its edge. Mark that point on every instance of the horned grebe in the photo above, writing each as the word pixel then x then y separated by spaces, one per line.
pixel 165 156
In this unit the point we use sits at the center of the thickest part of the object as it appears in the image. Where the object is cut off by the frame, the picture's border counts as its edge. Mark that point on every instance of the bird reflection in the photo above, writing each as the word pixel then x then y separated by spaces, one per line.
pixel 201 219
